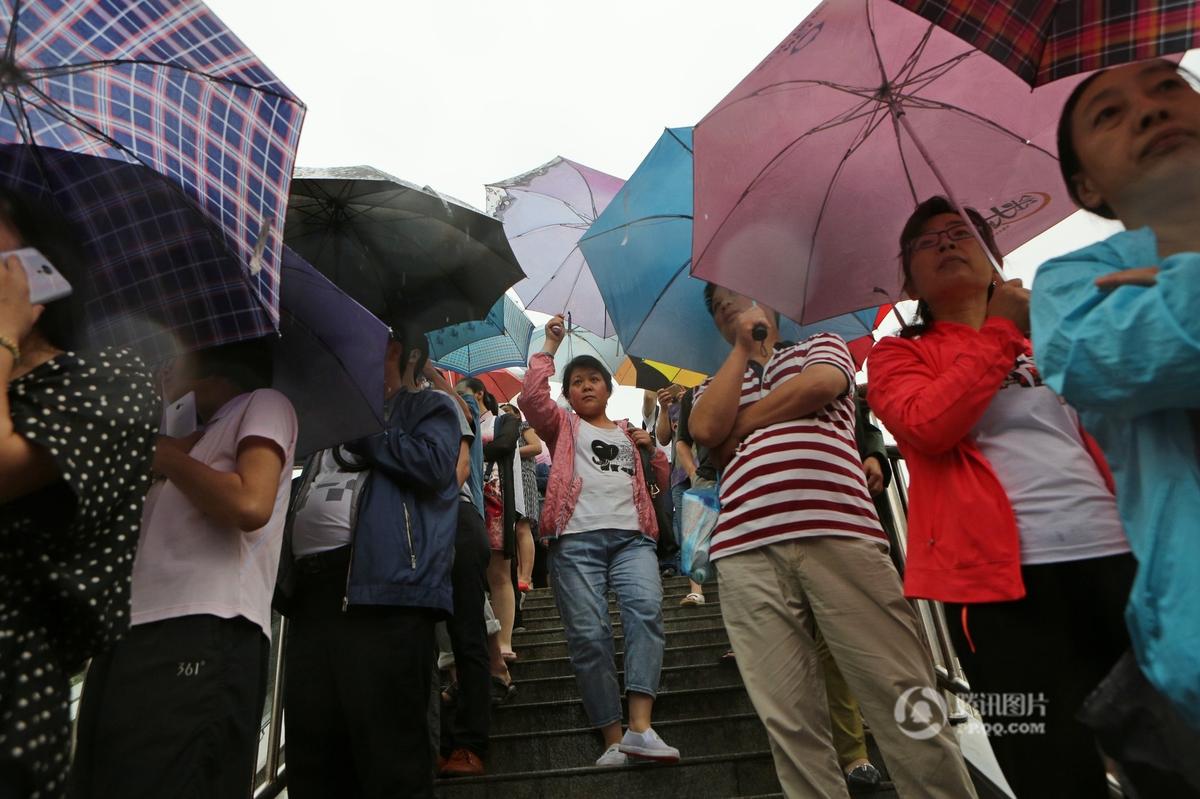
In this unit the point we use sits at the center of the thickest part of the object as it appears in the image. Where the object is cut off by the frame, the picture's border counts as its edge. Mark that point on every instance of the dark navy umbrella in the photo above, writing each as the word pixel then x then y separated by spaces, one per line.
pixel 328 359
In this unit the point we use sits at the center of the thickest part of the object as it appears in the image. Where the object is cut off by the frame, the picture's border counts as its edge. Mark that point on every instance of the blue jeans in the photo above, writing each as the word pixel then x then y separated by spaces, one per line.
pixel 583 566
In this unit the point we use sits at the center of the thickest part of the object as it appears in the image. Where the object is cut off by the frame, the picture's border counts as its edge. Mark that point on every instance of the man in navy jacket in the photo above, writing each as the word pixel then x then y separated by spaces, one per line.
pixel 365 576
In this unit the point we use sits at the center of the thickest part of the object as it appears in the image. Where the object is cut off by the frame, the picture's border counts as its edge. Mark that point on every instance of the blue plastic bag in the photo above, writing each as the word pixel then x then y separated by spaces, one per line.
pixel 701 507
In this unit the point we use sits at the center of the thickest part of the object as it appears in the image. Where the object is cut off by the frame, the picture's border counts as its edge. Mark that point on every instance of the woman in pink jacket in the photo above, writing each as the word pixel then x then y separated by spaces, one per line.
pixel 598 522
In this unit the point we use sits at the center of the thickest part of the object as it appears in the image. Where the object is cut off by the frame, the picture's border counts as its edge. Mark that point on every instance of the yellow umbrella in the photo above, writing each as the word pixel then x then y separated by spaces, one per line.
pixel 653 375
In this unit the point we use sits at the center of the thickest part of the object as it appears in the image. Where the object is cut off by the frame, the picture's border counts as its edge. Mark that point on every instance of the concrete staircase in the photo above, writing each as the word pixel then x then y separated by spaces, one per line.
pixel 543 748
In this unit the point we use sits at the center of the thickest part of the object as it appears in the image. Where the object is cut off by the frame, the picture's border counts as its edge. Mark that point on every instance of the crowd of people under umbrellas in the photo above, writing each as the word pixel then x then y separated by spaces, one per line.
pixel 1042 430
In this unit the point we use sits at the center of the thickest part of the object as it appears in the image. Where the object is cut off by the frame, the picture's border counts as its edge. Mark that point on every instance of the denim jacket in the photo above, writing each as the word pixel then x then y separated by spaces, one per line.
pixel 405 511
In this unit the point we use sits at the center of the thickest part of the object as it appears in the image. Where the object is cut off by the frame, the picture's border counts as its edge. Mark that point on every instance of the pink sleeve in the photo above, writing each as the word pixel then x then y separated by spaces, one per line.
pixel 540 409
pixel 270 415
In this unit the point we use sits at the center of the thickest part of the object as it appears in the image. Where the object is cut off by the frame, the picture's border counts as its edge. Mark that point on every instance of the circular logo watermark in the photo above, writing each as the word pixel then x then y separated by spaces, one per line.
pixel 921 713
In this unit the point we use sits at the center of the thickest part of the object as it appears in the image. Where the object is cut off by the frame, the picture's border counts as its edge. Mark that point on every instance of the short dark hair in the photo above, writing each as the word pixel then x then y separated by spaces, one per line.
pixel 710 289
pixel 411 339
pixel 585 362
pixel 936 206
pixel 1068 157
pixel 247 364
pixel 41 225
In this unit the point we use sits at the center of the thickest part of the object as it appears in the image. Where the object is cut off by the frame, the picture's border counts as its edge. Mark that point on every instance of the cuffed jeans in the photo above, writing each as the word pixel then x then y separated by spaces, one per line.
pixel 583 567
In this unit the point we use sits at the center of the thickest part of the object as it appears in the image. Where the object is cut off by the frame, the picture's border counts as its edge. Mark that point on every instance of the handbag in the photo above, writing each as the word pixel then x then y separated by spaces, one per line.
pixel 664 512
pixel 701 509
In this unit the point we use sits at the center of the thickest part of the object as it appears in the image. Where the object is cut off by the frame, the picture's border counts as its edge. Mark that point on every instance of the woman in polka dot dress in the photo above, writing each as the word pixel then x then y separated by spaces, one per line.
pixel 76 442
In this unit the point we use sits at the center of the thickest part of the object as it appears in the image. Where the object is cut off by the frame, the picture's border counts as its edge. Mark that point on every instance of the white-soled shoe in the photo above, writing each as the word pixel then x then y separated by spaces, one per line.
pixel 613 756
pixel 648 746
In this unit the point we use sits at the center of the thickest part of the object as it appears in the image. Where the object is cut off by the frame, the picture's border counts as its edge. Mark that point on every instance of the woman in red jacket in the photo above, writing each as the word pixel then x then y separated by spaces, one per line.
pixel 1011 510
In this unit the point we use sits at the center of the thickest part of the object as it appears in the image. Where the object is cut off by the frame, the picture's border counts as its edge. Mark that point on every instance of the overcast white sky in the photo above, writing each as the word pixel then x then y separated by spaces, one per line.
pixel 458 93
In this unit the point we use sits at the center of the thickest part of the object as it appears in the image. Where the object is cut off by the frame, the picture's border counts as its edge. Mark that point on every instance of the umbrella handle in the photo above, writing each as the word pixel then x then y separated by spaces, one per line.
pixel 902 118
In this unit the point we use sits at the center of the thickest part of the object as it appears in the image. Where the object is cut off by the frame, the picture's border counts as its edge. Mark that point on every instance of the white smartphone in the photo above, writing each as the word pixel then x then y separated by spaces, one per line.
pixel 46 284
pixel 179 417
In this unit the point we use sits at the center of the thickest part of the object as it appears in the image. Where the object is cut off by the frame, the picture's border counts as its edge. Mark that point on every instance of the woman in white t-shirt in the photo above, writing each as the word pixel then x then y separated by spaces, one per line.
pixel 598 522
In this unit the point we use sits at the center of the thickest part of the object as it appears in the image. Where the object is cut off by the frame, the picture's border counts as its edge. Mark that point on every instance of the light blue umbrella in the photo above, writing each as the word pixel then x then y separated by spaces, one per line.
pixel 498 341
pixel 640 253
pixel 581 342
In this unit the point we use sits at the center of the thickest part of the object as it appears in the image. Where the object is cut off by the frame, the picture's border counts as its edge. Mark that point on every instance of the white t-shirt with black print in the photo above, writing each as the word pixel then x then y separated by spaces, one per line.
pixel 604 461
pixel 1031 438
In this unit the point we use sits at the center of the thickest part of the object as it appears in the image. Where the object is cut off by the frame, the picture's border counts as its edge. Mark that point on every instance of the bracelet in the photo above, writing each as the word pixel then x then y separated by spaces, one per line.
pixel 11 346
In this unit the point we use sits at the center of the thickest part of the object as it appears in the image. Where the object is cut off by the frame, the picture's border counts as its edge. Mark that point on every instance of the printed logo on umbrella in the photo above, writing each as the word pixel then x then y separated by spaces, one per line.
pixel 1023 207
pixel 800 38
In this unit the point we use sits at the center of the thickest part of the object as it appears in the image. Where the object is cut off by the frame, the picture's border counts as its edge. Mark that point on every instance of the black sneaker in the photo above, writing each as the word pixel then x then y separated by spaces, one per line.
pixel 863 779
pixel 502 691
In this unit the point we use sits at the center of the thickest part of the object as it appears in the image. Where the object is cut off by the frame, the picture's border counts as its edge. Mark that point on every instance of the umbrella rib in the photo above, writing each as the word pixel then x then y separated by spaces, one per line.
pixel 571 225
pixel 564 203
pixel 913 59
pixel 11 42
pixel 649 218
pixel 927 104
pixel 912 190
pixel 591 194
pixel 662 292
pixel 883 78
pixel 676 138
pixel 868 129
pixel 930 74
pixel 91 66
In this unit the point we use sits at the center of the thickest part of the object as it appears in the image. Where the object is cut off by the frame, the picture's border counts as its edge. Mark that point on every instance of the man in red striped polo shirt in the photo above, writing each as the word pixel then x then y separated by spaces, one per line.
pixel 799 546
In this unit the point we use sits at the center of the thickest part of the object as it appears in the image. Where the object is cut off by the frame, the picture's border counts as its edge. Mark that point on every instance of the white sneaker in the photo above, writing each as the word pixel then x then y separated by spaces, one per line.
pixel 648 746
pixel 692 600
pixel 613 756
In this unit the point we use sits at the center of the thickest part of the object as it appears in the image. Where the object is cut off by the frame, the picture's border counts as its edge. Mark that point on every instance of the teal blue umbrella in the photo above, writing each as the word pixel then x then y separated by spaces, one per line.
pixel 640 253
pixel 498 341
pixel 582 342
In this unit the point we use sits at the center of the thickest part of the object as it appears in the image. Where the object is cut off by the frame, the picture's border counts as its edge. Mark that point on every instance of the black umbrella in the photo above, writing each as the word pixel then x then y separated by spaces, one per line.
pixel 408 254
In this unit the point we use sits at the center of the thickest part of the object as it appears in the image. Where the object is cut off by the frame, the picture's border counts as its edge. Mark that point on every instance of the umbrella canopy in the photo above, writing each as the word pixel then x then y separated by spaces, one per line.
pixel 328 359
pixel 148 268
pixel 654 376
pixel 168 87
pixel 640 251
pixel 501 384
pixel 408 254
pixel 496 342
pixel 544 213
pixel 1045 41
pixel 581 342
pixel 806 172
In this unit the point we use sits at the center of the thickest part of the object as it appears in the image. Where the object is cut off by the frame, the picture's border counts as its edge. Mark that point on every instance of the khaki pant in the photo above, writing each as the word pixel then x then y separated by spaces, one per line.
pixel 845 718
pixel 770 599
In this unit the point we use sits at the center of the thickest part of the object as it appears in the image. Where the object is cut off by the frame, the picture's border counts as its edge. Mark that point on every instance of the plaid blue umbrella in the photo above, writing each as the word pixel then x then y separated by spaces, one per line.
pixel 497 342
pixel 640 253
pixel 163 84
pixel 148 269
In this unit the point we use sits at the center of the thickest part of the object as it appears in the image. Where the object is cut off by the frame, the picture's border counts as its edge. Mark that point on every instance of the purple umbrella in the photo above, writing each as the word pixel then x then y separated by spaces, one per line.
pixel 328 359
pixel 806 172
pixel 545 212
pixel 167 86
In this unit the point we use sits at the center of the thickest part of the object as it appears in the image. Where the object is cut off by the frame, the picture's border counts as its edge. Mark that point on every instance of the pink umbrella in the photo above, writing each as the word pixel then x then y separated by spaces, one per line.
pixel 545 212
pixel 806 172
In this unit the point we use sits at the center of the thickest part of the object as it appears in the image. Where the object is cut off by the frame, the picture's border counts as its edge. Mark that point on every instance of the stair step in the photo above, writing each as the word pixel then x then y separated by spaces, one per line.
pixel 712 634
pixel 543 617
pixel 702 618
pixel 568 714
pixel 670 599
pixel 674 678
pixel 743 774
pixel 672 586
pixel 688 655
pixel 578 748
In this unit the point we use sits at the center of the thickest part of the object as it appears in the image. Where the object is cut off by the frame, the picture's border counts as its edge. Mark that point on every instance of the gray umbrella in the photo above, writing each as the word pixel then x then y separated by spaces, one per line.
pixel 408 254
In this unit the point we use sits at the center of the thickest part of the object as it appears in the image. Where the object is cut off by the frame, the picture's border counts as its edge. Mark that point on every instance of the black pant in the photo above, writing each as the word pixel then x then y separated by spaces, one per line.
pixel 1055 645
pixel 468 636
pixel 356 693
pixel 174 709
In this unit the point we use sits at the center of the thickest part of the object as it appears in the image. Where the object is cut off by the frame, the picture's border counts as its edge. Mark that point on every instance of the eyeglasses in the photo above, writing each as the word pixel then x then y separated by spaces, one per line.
pixel 956 232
